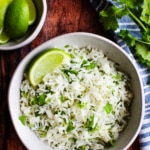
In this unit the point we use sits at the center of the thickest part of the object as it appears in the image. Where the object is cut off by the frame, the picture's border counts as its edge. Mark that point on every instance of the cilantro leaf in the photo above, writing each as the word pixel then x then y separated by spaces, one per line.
pixel 110 143
pixel 146 36
pixel 41 99
pixel 90 124
pixel 108 108
pixel 143 53
pixel 62 99
pixel 70 126
pixel 83 147
pixel 130 3
pixel 22 118
pixel 92 65
pixel 67 71
pixel 141 47
pixel 81 104
pixel 145 15
pixel 131 40
pixel 127 36
pixel 109 17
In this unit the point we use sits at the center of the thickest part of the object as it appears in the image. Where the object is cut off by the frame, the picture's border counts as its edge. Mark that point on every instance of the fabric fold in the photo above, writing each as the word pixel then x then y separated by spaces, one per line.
pixel 127 23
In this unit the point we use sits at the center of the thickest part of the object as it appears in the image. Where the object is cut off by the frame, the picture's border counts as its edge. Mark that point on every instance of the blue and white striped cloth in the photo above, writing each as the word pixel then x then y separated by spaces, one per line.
pixel 127 23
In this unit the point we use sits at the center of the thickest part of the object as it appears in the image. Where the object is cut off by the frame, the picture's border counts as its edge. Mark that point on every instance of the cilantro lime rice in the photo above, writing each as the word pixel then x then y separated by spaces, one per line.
pixel 84 104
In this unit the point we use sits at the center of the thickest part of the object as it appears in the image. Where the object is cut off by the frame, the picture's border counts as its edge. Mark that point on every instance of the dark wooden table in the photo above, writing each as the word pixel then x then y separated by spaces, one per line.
pixel 62 17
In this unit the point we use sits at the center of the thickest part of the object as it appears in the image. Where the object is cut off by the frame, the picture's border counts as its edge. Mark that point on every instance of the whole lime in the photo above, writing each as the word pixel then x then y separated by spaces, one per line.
pixel 17 19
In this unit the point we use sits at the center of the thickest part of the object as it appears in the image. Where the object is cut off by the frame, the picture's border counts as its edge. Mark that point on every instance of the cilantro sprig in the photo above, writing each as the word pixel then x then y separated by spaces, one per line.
pixel 139 11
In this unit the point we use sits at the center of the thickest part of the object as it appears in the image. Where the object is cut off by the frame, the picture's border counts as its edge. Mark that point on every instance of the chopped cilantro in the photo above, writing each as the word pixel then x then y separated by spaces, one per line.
pixel 83 147
pixel 67 71
pixel 88 65
pixel 81 104
pixel 41 99
pixel 48 100
pixel 117 76
pixel 23 94
pixel 108 108
pixel 90 124
pixel 66 46
pixel 61 98
pixel 22 118
pixel 91 66
pixel 70 126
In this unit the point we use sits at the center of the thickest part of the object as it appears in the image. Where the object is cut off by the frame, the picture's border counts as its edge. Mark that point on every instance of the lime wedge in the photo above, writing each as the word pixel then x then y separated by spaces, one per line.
pixel 3 37
pixel 3 8
pixel 45 63
pixel 32 11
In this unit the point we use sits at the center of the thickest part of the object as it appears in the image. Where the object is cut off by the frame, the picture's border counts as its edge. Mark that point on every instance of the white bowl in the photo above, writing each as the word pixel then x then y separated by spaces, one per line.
pixel 33 31
pixel 115 53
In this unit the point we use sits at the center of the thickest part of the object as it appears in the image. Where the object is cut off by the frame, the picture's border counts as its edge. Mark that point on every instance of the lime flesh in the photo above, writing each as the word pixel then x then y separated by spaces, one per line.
pixel 3 37
pixel 32 11
pixel 45 63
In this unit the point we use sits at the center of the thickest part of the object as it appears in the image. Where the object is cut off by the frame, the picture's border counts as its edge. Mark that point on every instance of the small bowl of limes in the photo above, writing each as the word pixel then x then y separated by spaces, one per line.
pixel 20 22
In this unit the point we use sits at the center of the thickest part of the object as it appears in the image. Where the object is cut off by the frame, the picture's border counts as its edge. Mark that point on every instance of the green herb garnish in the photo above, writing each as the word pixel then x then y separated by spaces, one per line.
pixel 90 124
pixel 108 108
pixel 70 126
pixel 22 118
pixel 139 11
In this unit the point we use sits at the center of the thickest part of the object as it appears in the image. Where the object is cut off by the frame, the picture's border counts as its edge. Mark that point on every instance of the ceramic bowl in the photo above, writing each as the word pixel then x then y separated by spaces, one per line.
pixel 33 31
pixel 115 53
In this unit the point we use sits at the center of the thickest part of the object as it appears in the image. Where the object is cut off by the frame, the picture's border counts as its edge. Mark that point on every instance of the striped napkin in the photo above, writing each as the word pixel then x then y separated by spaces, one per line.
pixel 127 23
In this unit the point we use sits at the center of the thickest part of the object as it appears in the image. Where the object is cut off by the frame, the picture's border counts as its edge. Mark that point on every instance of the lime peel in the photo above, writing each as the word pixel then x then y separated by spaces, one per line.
pixel 46 63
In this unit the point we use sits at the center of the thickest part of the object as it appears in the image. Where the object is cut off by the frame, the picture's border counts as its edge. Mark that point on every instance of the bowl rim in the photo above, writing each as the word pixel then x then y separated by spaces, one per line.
pixel 36 50
pixel 33 35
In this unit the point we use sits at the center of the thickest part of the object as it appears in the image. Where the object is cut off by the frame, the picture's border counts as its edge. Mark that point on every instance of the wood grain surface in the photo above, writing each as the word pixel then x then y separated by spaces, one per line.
pixel 63 16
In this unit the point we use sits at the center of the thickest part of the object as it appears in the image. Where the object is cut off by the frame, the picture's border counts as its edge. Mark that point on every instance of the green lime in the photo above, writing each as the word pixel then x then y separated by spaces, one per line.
pixel 3 8
pixel 45 63
pixel 17 19
pixel 3 37
pixel 32 11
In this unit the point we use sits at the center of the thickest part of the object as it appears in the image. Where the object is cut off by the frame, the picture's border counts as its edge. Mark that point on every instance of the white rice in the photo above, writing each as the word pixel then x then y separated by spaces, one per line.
pixel 86 102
